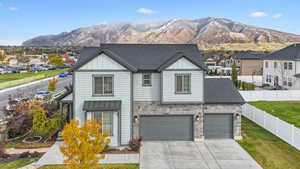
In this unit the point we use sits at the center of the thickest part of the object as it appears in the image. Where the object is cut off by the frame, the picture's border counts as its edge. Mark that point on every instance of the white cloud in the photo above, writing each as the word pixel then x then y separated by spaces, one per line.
pixel 258 15
pixel 277 16
pixel 12 8
pixel 11 42
pixel 145 11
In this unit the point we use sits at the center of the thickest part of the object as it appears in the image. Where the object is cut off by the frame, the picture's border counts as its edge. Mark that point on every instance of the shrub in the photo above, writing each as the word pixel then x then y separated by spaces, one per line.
pixel 135 144
pixel 24 154
pixel 2 152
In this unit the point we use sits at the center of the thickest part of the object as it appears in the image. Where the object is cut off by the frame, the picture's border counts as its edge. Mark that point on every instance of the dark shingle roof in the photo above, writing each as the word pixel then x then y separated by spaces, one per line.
pixel 221 90
pixel 144 57
pixel 247 55
pixel 291 52
pixel 105 105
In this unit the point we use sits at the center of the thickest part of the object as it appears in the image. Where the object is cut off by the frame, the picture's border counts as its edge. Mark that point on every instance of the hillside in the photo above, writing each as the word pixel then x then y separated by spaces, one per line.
pixel 208 33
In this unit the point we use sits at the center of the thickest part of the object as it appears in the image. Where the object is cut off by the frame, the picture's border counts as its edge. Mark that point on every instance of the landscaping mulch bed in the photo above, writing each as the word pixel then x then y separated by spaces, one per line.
pixel 116 151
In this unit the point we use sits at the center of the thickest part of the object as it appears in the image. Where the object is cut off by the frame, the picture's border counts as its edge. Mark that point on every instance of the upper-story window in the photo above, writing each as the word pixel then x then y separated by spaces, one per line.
pixel 183 83
pixel 275 65
pixel 266 64
pixel 103 85
pixel 290 65
pixel 147 79
pixel 285 65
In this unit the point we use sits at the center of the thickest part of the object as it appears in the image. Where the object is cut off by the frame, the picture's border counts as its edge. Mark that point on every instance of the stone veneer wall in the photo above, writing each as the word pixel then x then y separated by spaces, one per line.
pixel 156 108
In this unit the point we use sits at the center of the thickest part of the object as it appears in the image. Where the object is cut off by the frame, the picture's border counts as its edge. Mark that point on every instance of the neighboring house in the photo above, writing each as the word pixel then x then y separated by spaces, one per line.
pixel 210 62
pixel 282 67
pixel 157 91
pixel 249 63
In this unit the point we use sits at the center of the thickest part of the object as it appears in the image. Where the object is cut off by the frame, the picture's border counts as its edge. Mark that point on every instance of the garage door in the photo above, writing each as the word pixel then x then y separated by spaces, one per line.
pixel 166 128
pixel 218 126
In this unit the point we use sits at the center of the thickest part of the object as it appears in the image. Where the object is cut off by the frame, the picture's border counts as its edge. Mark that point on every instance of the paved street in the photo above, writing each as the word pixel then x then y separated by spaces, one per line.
pixel 28 91
pixel 210 154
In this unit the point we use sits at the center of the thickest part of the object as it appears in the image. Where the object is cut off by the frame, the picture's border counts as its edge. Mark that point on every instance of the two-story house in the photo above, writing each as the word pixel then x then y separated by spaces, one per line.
pixel 156 91
pixel 282 67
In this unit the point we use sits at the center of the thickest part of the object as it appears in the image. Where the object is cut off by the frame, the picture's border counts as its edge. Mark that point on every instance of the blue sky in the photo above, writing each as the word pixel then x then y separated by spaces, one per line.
pixel 23 19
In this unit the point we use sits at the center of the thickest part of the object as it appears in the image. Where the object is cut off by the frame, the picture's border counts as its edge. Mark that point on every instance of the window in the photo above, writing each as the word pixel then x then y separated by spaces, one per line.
pixel 290 65
pixel 290 82
pixel 275 65
pixel 266 64
pixel 183 83
pixel 285 65
pixel 269 78
pixel 106 120
pixel 284 81
pixel 103 85
pixel 147 79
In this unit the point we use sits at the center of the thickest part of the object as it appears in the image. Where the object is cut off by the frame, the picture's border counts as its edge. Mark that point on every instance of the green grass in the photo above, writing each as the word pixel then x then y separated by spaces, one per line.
pixel 100 166
pixel 286 111
pixel 14 79
pixel 20 144
pixel 18 163
pixel 268 150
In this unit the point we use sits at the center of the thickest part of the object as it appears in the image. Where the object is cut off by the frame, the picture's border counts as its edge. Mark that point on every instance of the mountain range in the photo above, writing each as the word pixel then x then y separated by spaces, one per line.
pixel 206 32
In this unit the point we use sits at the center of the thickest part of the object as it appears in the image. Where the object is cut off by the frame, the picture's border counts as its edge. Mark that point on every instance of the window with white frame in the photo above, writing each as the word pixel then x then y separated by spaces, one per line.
pixel 183 83
pixel 266 64
pixel 284 81
pixel 290 82
pixel 106 121
pixel 290 65
pixel 103 85
pixel 147 79
pixel 285 65
pixel 275 65
pixel 269 78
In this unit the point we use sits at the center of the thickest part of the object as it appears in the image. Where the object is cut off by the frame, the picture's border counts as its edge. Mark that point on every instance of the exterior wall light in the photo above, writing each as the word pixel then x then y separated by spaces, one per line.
pixel 198 117
pixel 237 116
pixel 135 119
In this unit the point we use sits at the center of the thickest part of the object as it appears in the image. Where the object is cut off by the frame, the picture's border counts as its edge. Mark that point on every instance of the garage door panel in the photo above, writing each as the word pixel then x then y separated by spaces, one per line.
pixel 218 126
pixel 166 127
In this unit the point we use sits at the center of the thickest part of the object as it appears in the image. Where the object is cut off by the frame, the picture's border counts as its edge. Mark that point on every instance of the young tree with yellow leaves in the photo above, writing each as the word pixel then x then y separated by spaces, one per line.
pixel 52 85
pixel 82 145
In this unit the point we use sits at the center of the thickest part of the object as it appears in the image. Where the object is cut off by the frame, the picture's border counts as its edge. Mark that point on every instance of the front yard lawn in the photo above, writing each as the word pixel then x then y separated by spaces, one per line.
pixel 18 163
pixel 286 111
pixel 268 150
pixel 100 166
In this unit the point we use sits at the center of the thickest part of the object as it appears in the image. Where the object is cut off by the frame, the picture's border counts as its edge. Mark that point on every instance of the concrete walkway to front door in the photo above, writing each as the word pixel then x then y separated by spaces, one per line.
pixel 210 154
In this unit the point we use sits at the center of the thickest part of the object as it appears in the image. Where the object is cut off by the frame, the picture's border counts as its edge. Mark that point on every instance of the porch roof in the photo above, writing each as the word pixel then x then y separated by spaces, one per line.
pixel 102 105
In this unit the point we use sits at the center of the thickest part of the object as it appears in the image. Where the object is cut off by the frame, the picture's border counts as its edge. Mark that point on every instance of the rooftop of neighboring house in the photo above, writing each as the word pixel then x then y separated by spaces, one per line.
pixel 291 52
pixel 248 55
pixel 144 57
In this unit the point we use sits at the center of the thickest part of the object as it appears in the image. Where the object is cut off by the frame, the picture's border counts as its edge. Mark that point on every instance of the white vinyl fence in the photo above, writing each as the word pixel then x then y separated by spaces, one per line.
pixel 271 95
pixel 256 79
pixel 287 132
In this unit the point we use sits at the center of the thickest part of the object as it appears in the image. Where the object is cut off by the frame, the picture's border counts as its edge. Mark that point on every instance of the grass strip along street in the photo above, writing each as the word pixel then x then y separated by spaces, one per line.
pixel 15 79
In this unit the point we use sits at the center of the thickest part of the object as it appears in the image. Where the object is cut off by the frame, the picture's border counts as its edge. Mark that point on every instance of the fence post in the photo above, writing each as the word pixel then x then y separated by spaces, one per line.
pixel 277 126
pixel 264 119
pixel 293 135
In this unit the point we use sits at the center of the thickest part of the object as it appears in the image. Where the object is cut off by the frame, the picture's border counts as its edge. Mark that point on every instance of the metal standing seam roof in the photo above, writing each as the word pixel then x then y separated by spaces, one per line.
pixel 143 57
pixel 291 52
pixel 102 105
pixel 221 90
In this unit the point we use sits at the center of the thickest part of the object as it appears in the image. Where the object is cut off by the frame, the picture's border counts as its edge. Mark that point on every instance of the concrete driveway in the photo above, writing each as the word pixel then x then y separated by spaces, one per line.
pixel 210 154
